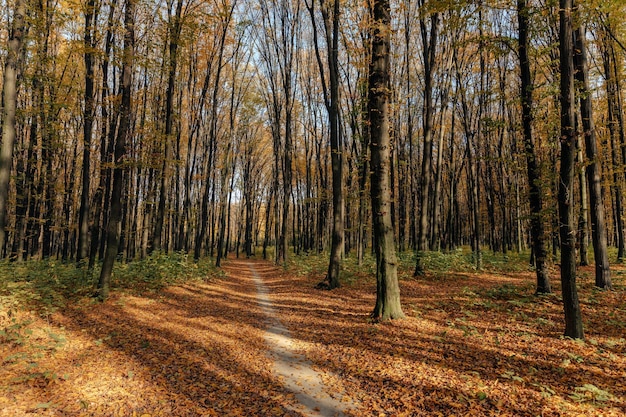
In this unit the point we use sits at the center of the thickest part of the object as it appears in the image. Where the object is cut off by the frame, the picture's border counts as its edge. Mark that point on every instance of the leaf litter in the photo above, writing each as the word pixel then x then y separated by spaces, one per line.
pixel 472 344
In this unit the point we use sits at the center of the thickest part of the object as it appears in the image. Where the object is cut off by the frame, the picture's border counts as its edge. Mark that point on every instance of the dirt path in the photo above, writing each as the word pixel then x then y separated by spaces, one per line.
pixel 213 348
pixel 295 371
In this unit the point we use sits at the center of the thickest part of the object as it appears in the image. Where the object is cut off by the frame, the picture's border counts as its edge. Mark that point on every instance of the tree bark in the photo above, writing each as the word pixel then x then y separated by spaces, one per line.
pixel 9 105
pixel 175 29
pixel 615 124
pixel 594 174
pixel 330 16
pixel 583 215
pixel 567 225
pixel 113 228
pixel 534 173
pixel 429 45
pixel 91 14
pixel 387 289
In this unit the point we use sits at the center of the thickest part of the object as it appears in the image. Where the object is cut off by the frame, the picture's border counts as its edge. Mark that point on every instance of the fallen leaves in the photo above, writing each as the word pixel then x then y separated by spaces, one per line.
pixel 472 345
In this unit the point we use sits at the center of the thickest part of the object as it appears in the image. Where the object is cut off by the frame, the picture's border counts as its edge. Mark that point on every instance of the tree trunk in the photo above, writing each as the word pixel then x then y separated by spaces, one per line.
pixel 534 172
pixel 583 224
pixel 330 17
pixel 108 125
pixel 387 289
pixel 113 228
pixel 175 29
pixel 594 175
pixel 429 44
pixel 9 105
pixel 567 225
pixel 617 137
pixel 91 14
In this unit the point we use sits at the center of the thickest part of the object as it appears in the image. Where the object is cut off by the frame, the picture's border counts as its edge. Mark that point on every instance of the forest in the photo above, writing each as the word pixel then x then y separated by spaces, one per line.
pixel 362 147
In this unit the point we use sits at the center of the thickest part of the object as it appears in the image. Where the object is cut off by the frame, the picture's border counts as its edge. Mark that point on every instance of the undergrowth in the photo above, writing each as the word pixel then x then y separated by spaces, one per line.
pixel 47 285
pixel 434 263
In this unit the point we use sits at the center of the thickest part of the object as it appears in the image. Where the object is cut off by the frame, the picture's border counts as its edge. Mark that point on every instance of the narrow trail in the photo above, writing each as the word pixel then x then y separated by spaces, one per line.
pixel 294 370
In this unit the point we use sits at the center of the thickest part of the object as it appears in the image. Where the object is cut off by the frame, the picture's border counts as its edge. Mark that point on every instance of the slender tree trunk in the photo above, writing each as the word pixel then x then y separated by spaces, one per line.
pixel 583 224
pixel 91 14
pixel 534 172
pixel 175 24
pixel 436 221
pixel 617 137
pixel 113 232
pixel 108 124
pixel 9 105
pixel 594 175
pixel 223 207
pixel 567 228
pixel 429 42
pixel 330 16
pixel 387 289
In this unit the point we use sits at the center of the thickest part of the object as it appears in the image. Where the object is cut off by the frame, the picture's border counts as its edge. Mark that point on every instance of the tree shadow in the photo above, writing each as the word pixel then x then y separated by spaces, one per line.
pixel 498 356
pixel 198 348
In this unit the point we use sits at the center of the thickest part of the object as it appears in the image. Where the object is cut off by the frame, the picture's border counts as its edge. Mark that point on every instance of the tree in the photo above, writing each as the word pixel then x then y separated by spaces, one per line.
pixel 280 21
pixel 428 30
pixel 534 173
pixel 387 289
pixel 615 123
pixel 567 225
pixel 174 23
pixel 594 176
pixel 91 17
pixel 9 106
pixel 124 129
pixel 330 17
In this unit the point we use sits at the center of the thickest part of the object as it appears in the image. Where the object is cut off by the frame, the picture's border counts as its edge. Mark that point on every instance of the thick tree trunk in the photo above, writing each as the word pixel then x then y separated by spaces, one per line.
pixel 336 152
pixel 9 105
pixel 534 173
pixel 387 289
pixel 567 228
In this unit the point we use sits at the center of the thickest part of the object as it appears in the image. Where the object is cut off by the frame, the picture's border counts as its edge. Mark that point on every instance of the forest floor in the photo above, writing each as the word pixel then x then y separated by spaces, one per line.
pixel 472 344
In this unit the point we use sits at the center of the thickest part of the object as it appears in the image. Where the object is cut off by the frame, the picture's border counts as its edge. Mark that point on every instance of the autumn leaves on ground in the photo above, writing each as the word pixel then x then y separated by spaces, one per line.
pixel 472 344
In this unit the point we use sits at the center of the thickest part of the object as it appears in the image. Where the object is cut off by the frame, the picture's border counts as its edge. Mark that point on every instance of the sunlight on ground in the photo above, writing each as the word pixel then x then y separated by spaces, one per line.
pixel 473 344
